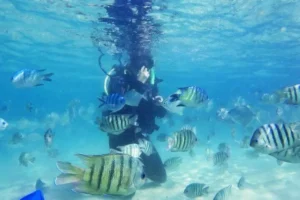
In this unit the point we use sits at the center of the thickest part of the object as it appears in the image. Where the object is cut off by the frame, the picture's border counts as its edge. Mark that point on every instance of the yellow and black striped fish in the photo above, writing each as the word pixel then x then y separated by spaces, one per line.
pixel 113 174
pixel 117 124
pixel 276 137
pixel 183 140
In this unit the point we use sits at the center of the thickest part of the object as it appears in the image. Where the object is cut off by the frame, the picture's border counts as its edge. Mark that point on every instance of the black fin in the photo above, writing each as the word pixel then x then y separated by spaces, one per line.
pixel 180 105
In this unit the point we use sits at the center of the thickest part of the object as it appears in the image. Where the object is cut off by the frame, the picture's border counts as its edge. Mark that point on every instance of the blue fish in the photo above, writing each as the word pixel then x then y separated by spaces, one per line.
pixel 37 195
pixel 189 96
pixel 113 102
pixel 30 78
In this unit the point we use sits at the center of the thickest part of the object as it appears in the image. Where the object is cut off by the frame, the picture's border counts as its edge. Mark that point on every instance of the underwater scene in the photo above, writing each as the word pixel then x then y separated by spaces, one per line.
pixel 150 99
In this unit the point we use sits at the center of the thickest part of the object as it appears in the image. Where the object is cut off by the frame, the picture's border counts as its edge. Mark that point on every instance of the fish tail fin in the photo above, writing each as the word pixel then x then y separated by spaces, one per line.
pixel 295 127
pixel 133 120
pixel 102 102
pixel 32 160
pixel 70 173
pixel 281 93
pixel 46 77
pixel 258 117
pixel 241 183
pixel 205 190
pixel 170 142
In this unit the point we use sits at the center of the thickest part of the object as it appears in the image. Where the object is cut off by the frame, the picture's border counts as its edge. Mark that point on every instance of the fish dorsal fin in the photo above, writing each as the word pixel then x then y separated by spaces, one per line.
pixel 194 129
pixel 189 128
pixel 280 121
pixel 88 160
pixel 183 88
pixel 186 127
pixel 114 151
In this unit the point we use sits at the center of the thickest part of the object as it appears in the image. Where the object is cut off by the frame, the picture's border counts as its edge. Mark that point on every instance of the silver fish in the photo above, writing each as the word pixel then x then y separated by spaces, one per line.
pixel 290 95
pixel 173 163
pixel 183 140
pixel 48 137
pixel 117 123
pixel 26 158
pixel 242 115
pixel 146 146
pixel 220 158
pixel 274 137
pixel 195 190
pixel 223 194
pixel 133 150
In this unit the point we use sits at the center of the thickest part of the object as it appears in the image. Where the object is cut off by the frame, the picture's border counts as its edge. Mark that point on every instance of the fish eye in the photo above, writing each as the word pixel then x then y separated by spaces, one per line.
pixel 143 176
pixel 255 141
pixel 186 191
pixel 3 123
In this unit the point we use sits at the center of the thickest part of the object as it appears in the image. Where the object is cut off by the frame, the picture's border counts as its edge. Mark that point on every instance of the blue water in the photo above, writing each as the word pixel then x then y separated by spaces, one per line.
pixel 232 48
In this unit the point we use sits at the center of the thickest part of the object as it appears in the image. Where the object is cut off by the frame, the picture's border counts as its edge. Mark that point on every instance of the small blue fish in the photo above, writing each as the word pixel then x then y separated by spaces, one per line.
pixel 30 78
pixel 113 102
pixel 190 96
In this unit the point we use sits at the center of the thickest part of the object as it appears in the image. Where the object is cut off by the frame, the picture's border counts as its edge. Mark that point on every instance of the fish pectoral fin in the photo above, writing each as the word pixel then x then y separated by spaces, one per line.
pixel 40 84
pixel 66 179
pixel 83 188
pixel 180 105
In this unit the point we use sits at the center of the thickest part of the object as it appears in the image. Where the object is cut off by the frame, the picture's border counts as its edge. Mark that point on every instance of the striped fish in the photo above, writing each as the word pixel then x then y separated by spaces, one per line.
pixel 291 155
pixel 223 194
pixel 290 95
pixel 243 184
pixel 133 150
pixel 113 174
pixel 275 137
pixel 173 163
pixel 195 190
pixel 117 124
pixel 113 102
pixel 146 146
pixel 190 96
pixel 183 140
pixel 220 158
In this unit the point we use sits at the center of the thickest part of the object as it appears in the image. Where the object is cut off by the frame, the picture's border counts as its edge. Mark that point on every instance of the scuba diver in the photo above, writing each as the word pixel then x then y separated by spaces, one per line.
pixel 133 36
pixel 147 110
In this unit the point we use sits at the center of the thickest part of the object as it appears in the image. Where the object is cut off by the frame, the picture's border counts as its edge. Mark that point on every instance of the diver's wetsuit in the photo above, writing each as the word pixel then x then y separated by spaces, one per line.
pixel 147 111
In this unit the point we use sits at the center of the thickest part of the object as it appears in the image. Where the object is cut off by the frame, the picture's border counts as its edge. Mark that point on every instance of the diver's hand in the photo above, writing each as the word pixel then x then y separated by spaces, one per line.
pixel 143 75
